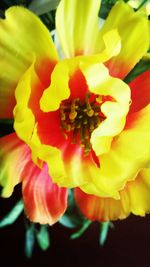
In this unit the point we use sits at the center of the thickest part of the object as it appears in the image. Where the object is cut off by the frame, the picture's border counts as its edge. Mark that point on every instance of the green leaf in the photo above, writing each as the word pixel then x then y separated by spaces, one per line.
pixel 41 7
pixel 12 216
pixel 104 232
pixel 29 240
pixel 141 67
pixel 43 237
pixel 86 224
pixel 142 4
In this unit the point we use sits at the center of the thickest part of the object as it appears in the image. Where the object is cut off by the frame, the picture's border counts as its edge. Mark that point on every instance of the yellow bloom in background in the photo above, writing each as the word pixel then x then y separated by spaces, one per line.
pixel 81 124
pixel 136 4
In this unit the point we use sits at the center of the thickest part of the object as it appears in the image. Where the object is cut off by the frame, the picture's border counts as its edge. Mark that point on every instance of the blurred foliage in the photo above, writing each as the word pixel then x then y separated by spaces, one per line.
pixel 13 215
pixel 36 233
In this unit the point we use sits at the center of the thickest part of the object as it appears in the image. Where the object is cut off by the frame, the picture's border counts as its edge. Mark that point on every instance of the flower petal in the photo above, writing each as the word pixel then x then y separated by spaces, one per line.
pixel 22 35
pixel 101 83
pixel 130 151
pixel 26 123
pixel 131 26
pixel 14 155
pixel 77 26
pixel 44 201
pixel 58 89
pixel 134 198
pixel 140 91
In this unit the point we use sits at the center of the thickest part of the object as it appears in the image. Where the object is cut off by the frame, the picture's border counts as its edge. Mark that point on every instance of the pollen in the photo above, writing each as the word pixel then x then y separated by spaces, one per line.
pixel 79 118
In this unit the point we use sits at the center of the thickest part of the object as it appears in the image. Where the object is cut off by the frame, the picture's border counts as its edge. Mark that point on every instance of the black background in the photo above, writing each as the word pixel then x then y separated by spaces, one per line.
pixel 128 244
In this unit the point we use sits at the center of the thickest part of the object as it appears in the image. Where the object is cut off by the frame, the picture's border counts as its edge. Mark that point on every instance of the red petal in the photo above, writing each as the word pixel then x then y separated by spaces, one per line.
pixel 140 91
pixel 49 129
pixel 44 201
pixel 78 86
pixel 87 205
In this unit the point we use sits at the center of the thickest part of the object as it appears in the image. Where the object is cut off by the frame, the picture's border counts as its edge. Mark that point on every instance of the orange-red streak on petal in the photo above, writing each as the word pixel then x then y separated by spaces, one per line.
pixel 44 201
pixel 78 86
pixel 140 91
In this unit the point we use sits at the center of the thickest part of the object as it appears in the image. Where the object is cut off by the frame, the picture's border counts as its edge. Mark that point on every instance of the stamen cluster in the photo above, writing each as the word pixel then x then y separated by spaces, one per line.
pixel 81 118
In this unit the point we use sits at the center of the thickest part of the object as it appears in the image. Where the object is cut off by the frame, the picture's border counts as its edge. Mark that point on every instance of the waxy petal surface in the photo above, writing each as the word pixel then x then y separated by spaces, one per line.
pixel 26 122
pixel 131 26
pixel 44 201
pixel 14 155
pixel 22 36
pixel 134 198
pixel 102 84
pixel 77 26
pixel 140 91
pixel 128 154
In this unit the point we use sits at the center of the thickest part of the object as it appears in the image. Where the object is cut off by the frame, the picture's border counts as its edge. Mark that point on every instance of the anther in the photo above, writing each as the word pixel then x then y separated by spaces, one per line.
pixel 73 113
pixel 62 115
pixel 90 111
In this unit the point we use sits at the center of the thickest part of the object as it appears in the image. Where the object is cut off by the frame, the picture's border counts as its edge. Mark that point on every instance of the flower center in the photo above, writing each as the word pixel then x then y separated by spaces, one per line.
pixel 80 118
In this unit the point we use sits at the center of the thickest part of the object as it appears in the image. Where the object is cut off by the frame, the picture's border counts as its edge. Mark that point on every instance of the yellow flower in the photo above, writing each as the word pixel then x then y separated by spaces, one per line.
pixel 81 122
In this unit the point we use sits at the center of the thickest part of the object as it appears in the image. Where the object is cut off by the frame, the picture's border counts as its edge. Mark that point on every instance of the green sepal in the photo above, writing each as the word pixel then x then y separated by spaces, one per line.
pixel 70 220
pixel 29 240
pixel 43 238
pixel 84 227
pixel 72 217
pixel 13 215
pixel 104 228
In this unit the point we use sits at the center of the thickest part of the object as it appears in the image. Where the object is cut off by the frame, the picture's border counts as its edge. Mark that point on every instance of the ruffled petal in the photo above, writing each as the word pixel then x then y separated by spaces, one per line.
pixel 58 89
pixel 14 155
pixel 44 201
pixel 130 151
pixel 101 83
pixel 22 35
pixel 26 123
pixel 131 26
pixel 134 198
pixel 77 26
pixel 140 91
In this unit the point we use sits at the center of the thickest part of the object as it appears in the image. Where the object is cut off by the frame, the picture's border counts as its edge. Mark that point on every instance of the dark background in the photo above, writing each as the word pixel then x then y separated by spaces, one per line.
pixel 128 244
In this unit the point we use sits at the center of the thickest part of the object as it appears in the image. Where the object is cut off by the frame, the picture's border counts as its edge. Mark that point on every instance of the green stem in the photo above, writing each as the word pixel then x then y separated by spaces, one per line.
pixel 143 2
pixel 81 231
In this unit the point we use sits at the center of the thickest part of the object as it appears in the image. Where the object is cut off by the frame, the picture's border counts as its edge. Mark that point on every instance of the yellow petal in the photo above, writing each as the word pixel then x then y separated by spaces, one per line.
pixel 131 26
pixel 77 26
pixel 111 41
pixel 128 154
pixel 134 198
pixel 22 35
pixel 101 83
pixel 58 89
pixel 14 155
pixel 23 115
pixel 26 126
